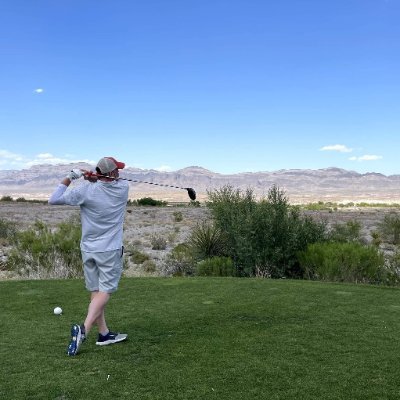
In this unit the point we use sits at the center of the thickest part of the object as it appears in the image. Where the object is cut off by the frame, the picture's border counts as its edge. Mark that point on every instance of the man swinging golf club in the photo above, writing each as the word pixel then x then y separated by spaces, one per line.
pixel 102 204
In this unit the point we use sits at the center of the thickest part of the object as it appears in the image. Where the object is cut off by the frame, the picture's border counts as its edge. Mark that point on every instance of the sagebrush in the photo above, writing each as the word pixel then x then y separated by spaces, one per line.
pixel 42 252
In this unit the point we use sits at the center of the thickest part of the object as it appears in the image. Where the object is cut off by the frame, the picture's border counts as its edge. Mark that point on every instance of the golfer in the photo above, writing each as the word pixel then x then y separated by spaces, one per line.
pixel 102 202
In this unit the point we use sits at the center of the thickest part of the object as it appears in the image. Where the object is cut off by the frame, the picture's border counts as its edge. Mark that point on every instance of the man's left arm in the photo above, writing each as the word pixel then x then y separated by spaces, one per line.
pixel 57 198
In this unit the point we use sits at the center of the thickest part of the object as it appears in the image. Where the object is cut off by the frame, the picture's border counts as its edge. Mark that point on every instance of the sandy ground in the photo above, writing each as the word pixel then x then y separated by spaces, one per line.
pixel 171 224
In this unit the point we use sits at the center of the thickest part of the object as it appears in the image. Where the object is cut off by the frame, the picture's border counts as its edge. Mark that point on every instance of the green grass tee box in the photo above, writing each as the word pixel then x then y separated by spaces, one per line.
pixel 204 338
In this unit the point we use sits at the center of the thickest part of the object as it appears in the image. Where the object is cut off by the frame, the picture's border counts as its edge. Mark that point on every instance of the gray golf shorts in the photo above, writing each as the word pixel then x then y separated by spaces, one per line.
pixel 103 270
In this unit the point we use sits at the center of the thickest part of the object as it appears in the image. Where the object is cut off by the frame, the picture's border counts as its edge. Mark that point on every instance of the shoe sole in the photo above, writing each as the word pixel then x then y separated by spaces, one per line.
pixel 107 342
pixel 76 338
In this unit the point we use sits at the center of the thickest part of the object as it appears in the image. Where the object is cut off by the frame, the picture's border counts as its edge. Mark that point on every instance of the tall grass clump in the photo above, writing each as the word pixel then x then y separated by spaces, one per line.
pixel 41 252
pixel 263 237
pixel 346 262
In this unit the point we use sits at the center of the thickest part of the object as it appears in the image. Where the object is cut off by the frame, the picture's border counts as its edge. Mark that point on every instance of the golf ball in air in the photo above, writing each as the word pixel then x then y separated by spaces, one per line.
pixel 58 310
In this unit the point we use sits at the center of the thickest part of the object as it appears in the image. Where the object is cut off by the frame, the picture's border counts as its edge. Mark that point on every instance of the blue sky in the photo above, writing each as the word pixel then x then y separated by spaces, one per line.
pixel 229 85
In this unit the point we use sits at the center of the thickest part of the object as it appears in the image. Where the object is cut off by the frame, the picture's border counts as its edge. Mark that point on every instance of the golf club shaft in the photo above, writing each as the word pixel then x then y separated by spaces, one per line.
pixel 191 191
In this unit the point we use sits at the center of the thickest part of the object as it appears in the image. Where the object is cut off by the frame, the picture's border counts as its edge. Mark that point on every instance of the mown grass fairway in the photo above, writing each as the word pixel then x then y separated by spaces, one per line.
pixel 203 338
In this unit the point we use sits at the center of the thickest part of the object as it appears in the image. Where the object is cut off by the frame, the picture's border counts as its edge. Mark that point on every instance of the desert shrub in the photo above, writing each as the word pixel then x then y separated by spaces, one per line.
pixel 172 237
pixel 149 201
pixel 206 240
pixel 149 266
pixel 346 232
pixel 264 236
pixel 138 257
pixel 194 203
pixel 158 242
pixel 393 268
pixel 344 262
pixel 40 252
pixel 178 216
pixel 316 206
pixel 179 262
pixel 376 238
pixel 233 213
pixel 390 228
pixel 8 229
pixel 216 266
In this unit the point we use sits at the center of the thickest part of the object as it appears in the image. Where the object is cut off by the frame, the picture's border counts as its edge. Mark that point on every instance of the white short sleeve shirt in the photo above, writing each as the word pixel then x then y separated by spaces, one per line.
pixel 102 206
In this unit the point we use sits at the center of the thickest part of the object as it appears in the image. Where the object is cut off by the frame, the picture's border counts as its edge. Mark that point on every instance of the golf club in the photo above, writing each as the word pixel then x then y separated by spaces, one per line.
pixel 191 191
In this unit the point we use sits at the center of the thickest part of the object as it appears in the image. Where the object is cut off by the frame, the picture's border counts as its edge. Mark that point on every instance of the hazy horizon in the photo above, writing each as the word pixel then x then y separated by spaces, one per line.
pixel 196 166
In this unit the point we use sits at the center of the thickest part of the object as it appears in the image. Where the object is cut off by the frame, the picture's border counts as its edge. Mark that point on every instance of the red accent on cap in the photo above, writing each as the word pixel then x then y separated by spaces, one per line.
pixel 119 164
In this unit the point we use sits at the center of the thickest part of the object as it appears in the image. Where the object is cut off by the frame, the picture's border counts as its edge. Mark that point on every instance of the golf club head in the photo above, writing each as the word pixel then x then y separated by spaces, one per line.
pixel 191 193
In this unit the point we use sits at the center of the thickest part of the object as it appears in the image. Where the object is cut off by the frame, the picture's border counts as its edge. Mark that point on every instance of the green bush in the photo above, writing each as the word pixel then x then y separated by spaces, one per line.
pixel 6 198
pixel 148 201
pixel 316 206
pixel 346 232
pixel 344 262
pixel 216 266
pixel 179 262
pixel 390 228
pixel 178 216
pixel 8 229
pixel 40 252
pixel 138 257
pixel 376 238
pixel 158 242
pixel 149 267
pixel 393 268
pixel 263 237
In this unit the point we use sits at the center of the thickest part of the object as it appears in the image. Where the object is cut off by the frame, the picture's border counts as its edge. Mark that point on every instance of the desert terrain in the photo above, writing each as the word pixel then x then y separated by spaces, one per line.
pixel 173 225
pixel 142 226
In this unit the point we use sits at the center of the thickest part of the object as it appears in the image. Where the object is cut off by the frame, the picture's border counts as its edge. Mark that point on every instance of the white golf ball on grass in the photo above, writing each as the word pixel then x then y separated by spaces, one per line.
pixel 58 311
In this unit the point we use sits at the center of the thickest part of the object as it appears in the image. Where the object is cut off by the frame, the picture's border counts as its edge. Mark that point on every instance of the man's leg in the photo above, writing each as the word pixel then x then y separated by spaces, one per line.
pixel 108 267
pixel 95 315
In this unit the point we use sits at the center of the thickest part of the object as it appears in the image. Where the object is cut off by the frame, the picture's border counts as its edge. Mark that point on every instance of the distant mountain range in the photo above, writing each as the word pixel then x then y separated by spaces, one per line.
pixel 300 185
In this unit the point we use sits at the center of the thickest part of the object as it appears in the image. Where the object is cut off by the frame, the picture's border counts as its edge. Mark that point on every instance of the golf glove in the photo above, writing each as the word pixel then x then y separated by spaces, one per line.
pixel 74 174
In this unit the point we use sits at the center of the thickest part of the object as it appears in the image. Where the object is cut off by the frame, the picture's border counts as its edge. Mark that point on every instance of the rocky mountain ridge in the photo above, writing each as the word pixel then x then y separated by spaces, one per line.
pixel 300 185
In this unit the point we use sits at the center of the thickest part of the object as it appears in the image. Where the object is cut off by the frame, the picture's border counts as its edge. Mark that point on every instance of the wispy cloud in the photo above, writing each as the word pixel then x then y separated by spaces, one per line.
pixel 48 158
pixel 10 160
pixel 366 157
pixel 341 148
pixel 39 90
pixel 9 155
